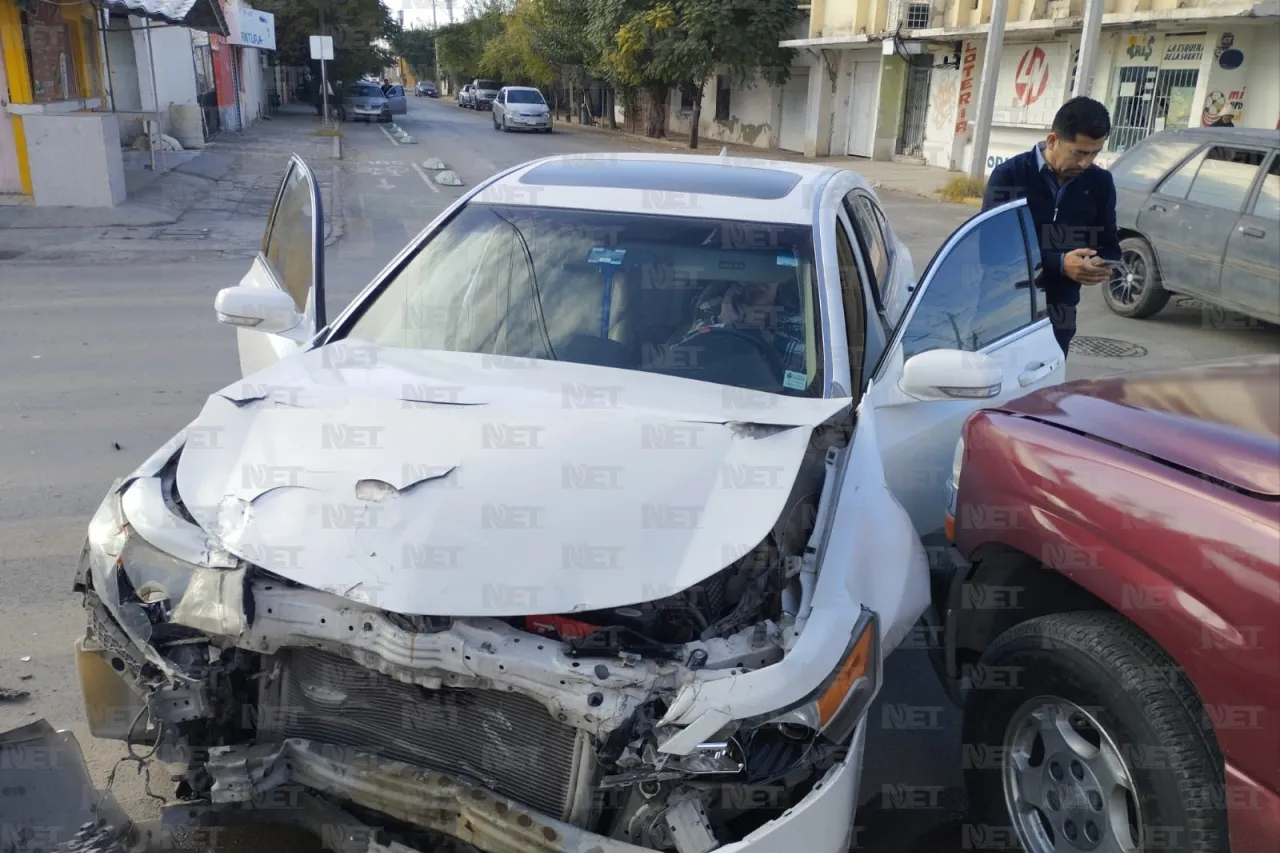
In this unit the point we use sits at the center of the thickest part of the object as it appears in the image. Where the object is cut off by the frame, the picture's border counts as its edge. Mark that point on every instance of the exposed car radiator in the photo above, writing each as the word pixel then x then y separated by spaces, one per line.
pixel 504 741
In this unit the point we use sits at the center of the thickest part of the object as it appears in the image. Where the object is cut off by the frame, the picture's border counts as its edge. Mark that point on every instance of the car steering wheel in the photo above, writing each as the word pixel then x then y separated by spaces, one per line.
pixel 724 333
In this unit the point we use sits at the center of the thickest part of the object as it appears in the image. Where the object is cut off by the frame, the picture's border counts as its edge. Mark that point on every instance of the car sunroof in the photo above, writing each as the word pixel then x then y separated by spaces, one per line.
pixel 695 178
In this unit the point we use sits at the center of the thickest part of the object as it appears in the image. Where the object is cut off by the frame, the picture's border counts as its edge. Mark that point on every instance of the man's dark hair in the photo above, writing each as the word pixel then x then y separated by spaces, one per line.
pixel 1082 116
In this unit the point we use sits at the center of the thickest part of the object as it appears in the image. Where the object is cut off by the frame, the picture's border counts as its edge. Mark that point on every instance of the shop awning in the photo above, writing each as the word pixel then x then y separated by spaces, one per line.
pixel 203 15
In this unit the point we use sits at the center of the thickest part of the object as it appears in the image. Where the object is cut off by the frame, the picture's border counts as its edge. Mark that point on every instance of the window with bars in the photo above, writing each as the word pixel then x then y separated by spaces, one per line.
pixel 918 16
pixel 722 98
pixel 686 99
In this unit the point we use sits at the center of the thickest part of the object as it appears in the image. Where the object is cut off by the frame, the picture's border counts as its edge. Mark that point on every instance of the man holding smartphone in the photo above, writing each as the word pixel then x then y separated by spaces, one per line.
pixel 1073 205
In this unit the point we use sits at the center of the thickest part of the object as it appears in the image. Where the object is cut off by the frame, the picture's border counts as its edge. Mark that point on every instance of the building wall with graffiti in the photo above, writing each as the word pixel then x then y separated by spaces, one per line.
pixel 1150 81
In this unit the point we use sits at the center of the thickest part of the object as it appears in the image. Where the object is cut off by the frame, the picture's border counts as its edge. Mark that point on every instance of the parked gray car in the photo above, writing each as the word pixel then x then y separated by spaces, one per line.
pixel 366 101
pixel 521 108
pixel 464 95
pixel 483 93
pixel 1199 214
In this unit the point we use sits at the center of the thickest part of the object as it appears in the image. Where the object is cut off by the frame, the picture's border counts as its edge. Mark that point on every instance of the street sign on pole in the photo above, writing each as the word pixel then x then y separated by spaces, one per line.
pixel 322 49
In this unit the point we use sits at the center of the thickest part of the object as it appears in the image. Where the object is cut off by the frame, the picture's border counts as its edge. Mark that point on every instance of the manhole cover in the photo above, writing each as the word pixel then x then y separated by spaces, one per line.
pixel 1106 348
pixel 182 234
pixel 9 254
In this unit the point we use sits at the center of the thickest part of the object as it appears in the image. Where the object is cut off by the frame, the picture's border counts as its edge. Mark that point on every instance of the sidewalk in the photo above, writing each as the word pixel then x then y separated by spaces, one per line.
pixel 912 178
pixel 212 204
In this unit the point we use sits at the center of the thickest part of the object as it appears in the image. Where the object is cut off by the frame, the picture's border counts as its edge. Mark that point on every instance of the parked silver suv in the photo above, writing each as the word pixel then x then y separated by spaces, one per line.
pixel 483 93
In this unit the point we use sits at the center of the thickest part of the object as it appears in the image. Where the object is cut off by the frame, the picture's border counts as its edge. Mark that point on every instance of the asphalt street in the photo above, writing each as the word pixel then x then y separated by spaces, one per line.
pixel 102 364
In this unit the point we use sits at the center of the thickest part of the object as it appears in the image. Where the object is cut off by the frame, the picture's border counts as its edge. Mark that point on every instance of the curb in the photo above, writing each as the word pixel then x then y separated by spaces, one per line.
pixel 337 222
pixel 755 153
pixel 337 148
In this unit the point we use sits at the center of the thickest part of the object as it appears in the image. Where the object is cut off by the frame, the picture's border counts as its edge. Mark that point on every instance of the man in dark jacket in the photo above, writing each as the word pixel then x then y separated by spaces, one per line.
pixel 1073 205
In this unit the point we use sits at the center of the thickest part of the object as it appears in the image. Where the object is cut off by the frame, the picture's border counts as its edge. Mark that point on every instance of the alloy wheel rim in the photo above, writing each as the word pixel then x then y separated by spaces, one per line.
pixel 1067 787
pixel 1128 285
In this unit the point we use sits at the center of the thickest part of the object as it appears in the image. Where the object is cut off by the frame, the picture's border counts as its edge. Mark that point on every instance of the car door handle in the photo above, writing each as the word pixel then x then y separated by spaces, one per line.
pixel 1250 231
pixel 1037 370
pixel 1159 207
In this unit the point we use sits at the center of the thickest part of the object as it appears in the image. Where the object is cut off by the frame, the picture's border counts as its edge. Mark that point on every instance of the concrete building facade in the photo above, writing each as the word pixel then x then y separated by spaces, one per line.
pixel 80 81
pixel 900 80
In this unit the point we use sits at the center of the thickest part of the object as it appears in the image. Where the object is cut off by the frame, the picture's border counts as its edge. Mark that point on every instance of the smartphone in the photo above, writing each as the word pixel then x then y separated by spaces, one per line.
pixel 1115 265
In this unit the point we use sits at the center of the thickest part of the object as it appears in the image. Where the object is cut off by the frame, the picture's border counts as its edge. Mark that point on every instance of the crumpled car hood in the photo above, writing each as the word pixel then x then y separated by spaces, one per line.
pixel 472 485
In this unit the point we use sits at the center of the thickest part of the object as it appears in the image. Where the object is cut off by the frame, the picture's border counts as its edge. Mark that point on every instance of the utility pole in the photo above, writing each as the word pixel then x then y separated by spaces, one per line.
pixel 987 93
pixel 435 45
pixel 1090 35
pixel 324 75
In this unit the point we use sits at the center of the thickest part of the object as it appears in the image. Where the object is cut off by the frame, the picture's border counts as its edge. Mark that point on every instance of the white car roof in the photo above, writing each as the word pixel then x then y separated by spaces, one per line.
pixel 742 189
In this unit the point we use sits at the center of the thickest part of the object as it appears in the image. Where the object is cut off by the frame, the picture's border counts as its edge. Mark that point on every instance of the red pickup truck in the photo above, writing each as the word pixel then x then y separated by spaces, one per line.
pixel 1110 608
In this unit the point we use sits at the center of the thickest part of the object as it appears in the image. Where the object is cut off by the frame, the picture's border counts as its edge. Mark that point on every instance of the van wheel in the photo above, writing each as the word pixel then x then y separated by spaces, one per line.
pixel 1086 736
pixel 1137 293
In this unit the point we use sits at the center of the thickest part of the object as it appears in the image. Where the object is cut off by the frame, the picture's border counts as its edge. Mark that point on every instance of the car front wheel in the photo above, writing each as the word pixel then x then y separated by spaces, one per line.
pixel 1136 292
pixel 1085 736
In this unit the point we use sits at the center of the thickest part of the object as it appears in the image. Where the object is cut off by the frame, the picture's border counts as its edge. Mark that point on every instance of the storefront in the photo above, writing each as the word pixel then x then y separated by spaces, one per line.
pixel 1221 73
pixel 52 64
pixel 59 132
pixel 1219 76
pixel 244 76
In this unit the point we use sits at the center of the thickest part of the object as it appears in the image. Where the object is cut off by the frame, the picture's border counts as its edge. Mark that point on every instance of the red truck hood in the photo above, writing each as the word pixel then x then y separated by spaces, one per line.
pixel 1220 419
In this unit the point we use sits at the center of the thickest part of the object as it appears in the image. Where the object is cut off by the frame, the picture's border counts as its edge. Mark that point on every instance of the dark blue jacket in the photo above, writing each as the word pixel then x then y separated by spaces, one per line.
pixel 1081 214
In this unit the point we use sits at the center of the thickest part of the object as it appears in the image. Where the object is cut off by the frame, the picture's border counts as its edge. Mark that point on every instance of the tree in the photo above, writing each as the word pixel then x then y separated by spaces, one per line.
pixel 739 38
pixel 458 51
pixel 555 30
pixel 628 35
pixel 517 56
pixel 355 25
pixel 417 47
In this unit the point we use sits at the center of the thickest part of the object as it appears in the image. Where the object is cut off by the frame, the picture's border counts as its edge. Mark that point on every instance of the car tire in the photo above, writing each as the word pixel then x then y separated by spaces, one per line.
pixel 1146 726
pixel 1138 294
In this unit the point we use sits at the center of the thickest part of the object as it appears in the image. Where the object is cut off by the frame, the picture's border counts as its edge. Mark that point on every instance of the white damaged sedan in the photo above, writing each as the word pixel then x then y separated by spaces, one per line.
pixel 587 526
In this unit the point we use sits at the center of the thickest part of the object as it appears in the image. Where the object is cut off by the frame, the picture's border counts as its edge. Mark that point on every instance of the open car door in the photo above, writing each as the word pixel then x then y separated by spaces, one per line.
pixel 397 102
pixel 279 305
pixel 975 334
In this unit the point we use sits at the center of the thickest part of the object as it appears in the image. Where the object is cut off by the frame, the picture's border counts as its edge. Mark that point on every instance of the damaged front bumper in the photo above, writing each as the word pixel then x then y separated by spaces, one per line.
pixel 47 798
pixel 821 823
pixel 469 727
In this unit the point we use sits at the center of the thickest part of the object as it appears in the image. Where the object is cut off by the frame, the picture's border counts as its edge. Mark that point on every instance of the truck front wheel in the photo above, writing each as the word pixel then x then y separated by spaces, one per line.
pixel 1084 735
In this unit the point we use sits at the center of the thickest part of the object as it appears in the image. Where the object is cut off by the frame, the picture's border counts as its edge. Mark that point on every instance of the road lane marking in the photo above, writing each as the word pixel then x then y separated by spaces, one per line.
pixel 430 183
pixel 388 136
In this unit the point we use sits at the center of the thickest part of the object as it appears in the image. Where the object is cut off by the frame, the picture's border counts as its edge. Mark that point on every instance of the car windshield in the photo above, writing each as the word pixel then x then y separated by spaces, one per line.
pixel 367 90
pixel 726 302
pixel 524 96
pixel 487 84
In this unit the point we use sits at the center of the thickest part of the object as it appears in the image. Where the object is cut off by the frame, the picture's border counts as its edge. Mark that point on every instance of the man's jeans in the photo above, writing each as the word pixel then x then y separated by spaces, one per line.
pixel 1063 320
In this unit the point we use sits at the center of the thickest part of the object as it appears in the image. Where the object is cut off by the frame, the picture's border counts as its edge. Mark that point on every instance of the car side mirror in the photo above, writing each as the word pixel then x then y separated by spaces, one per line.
pixel 949 374
pixel 260 309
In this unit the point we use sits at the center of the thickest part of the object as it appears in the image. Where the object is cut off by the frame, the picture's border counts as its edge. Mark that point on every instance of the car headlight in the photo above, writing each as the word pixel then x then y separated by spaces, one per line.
pixel 142 585
pixel 836 706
